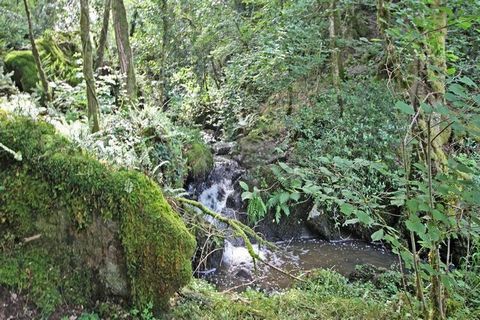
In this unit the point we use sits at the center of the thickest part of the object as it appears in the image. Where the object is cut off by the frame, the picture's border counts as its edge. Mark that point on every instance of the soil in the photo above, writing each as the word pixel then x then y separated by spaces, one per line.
pixel 15 306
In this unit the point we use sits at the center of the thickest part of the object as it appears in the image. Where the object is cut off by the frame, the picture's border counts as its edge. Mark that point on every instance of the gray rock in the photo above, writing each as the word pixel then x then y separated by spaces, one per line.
pixel 323 224
pixel 223 148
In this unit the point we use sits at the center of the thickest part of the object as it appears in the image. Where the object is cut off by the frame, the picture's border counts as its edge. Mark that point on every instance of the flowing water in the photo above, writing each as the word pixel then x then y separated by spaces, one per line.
pixel 296 257
pixel 236 269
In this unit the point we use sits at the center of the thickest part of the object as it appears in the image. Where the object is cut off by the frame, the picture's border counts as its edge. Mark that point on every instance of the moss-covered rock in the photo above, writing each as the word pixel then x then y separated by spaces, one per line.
pixel 113 225
pixel 199 160
pixel 24 69
pixel 56 52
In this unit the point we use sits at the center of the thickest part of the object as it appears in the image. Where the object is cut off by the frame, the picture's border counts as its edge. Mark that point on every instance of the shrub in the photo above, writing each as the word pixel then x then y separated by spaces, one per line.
pixel 199 160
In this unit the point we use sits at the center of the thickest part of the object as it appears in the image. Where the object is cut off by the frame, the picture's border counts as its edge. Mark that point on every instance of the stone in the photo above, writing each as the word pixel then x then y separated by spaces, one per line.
pixel 223 148
pixel 323 224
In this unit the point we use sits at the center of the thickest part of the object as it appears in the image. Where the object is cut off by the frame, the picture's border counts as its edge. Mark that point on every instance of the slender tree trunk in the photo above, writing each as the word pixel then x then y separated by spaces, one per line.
pixel 336 60
pixel 436 71
pixel 133 25
pixel 163 57
pixel 383 17
pixel 88 66
pixel 102 43
pixel 125 55
pixel 36 55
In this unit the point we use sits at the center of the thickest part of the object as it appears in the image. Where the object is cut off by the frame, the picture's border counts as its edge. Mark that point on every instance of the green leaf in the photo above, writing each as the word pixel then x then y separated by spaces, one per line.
pixel 277 214
pixel 426 108
pixel 378 235
pixel 347 209
pixel 325 171
pixel 404 108
pixel 451 71
pixel 458 90
pixel 476 98
pixel 243 185
pixel 443 110
pixel 415 224
pixel 283 197
pixel 363 217
pixel 247 195
pixel 412 205
pixel 285 167
pixel 295 196
pixel 440 216
pixel 286 210
pixel 469 82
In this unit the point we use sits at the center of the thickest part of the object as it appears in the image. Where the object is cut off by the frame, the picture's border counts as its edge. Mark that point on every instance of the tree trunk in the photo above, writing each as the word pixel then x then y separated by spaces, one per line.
pixel 36 55
pixel 102 43
pixel 163 57
pixel 88 66
pixel 336 60
pixel 436 71
pixel 125 55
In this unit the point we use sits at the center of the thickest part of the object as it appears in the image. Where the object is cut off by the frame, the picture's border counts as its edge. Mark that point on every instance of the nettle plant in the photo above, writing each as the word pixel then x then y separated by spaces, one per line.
pixel 360 189
pixel 438 198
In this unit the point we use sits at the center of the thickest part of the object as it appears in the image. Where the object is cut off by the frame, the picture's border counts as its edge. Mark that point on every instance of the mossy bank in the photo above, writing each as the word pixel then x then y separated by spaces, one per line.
pixel 72 228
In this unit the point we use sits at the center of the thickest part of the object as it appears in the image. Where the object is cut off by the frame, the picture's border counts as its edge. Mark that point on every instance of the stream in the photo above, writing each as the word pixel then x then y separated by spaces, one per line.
pixel 236 270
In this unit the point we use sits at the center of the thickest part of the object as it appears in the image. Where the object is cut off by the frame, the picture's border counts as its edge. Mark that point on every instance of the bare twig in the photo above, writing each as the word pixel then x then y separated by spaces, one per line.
pixel 32 238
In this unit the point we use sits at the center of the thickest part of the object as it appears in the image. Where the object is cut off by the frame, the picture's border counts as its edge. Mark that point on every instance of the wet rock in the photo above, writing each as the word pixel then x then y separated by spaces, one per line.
pixel 289 227
pixel 223 148
pixel 244 273
pixel 323 224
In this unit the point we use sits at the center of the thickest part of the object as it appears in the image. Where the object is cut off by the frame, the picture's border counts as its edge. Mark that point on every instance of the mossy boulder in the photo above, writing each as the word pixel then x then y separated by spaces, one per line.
pixel 56 52
pixel 91 231
pixel 22 64
pixel 199 160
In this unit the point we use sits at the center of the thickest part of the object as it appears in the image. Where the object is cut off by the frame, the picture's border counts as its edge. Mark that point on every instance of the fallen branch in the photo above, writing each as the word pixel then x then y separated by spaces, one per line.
pixel 242 231
pixel 234 224
pixel 32 238
pixel 16 155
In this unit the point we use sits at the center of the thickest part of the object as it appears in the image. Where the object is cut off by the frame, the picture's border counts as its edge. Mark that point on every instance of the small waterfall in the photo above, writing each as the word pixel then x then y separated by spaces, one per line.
pixel 217 191
pixel 220 192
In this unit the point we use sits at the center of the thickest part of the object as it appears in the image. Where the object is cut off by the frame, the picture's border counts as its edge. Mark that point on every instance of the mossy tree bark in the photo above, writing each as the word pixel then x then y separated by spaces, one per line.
pixel 434 134
pixel 336 59
pixel 124 49
pixel 102 43
pixel 437 136
pixel 36 55
pixel 93 114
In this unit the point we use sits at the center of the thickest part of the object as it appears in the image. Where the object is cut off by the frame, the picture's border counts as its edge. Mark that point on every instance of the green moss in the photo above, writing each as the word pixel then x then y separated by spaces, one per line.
pixel 55 177
pixel 34 271
pixel 24 69
pixel 57 62
pixel 199 160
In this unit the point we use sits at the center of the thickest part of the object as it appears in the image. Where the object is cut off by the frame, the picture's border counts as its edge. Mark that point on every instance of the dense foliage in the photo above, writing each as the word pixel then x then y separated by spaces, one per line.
pixel 367 111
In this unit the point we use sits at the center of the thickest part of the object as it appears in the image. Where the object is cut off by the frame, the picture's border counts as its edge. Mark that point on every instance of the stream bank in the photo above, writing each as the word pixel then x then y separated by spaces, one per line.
pixel 301 248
